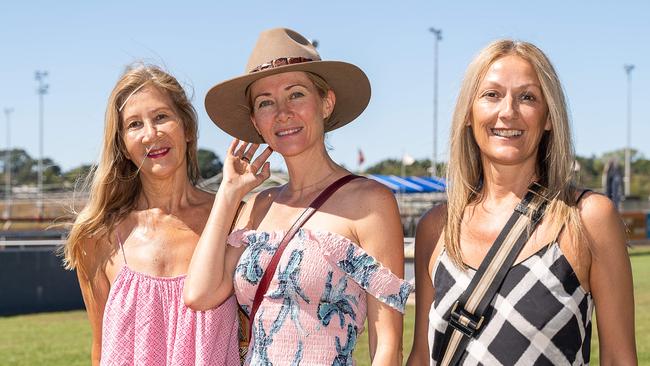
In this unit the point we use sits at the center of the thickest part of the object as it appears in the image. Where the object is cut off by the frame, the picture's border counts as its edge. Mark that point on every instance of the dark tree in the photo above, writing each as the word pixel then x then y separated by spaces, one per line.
pixel 209 163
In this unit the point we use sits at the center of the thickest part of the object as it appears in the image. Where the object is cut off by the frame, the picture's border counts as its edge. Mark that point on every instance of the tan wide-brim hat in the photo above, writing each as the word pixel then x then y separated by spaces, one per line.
pixel 282 50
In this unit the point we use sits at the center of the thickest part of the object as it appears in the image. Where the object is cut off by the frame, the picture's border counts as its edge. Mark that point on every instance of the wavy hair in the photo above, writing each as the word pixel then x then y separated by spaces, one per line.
pixel 113 182
pixel 555 157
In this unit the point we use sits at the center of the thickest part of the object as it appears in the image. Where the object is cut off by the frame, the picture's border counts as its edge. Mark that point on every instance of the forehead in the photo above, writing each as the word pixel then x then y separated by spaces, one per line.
pixel 281 80
pixel 511 69
pixel 148 98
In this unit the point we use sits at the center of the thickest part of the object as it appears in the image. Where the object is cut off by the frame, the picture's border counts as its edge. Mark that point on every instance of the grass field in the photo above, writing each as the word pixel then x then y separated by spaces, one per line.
pixel 63 339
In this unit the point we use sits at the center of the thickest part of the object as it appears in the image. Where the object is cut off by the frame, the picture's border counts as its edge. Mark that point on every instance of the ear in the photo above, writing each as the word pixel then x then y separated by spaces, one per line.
pixel 468 121
pixel 328 104
pixel 548 126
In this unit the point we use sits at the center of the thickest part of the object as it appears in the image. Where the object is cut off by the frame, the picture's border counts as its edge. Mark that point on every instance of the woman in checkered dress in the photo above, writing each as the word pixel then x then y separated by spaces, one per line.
pixel 511 128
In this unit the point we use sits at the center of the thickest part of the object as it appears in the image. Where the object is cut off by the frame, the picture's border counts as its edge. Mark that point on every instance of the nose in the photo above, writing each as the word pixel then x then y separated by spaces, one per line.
pixel 508 108
pixel 284 111
pixel 149 133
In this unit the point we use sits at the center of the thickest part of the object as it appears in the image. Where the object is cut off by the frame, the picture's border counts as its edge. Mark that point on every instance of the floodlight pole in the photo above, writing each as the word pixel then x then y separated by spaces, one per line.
pixel 7 211
pixel 437 38
pixel 628 171
pixel 41 91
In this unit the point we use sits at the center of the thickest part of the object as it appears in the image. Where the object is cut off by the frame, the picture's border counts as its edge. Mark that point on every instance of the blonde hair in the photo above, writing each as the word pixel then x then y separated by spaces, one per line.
pixel 555 156
pixel 113 182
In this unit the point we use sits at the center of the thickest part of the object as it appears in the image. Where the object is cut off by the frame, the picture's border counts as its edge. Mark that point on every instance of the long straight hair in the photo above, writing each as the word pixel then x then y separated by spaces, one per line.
pixel 555 156
pixel 113 183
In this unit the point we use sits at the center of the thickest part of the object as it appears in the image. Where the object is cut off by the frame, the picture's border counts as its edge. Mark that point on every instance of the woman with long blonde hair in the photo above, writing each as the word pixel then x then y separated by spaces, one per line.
pixel 510 128
pixel 132 243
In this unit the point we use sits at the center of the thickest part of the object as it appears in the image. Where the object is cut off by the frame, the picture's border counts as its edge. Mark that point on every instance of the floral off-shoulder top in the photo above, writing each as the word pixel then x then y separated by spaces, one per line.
pixel 315 306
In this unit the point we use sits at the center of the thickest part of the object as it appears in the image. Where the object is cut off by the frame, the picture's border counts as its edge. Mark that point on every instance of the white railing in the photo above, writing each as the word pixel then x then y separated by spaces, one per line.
pixel 409 244
pixel 31 243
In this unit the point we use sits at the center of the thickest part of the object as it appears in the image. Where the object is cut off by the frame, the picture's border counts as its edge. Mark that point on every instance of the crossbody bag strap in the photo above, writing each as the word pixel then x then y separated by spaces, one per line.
pixel 309 211
pixel 467 314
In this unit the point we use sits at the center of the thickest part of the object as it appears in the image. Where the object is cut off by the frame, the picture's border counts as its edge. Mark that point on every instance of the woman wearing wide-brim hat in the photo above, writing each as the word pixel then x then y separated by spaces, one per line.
pixel 345 262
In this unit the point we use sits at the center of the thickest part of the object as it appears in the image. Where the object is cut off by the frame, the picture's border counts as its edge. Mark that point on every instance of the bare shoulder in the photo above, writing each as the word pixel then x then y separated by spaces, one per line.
pixel 262 198
pixel 602 221
pixel 375 219
pixel 369 193
pixel 95 254
pixel 90 251
pixel 430 228
pixel 256 206
pixel 596 209
pixel 433 221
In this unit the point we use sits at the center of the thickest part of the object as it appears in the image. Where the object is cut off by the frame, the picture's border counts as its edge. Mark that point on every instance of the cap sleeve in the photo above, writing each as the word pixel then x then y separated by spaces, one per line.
pixel 368 272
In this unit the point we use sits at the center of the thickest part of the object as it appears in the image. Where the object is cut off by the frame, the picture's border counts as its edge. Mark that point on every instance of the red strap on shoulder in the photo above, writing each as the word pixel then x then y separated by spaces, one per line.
pixel 273 264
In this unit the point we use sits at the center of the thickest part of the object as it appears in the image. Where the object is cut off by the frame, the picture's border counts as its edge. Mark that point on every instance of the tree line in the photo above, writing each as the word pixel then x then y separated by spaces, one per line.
pixel 24 169
pixel 589 170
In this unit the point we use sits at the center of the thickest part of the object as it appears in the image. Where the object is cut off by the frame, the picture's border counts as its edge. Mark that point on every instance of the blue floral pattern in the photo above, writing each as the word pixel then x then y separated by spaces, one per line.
pixel 249 268
pixel 344 356
pixel 336 302
pixel 398 300
pixel 261 341
pixel 289 291
pixel 360 267
pixel 299 351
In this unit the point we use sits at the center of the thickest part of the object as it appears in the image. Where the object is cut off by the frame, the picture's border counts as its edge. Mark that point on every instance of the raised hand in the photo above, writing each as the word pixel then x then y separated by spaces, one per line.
pixel 240 173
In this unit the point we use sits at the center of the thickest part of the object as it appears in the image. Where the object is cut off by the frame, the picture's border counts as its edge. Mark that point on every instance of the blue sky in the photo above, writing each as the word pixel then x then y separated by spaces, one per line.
pixel 85 45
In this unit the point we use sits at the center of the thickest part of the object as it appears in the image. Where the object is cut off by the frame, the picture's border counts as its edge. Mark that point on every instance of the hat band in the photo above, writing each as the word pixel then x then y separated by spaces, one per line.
pixel 282 61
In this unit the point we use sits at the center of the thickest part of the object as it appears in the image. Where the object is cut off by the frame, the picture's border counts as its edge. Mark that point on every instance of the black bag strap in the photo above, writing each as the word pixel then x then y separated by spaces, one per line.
pixel 468 313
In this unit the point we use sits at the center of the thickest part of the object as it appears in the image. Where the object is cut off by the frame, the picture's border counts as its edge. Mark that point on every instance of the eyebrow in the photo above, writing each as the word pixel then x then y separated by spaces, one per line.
pixel 267 94
pixel 296 84
pixel 163 108
pixel 261 95
pixel 523 86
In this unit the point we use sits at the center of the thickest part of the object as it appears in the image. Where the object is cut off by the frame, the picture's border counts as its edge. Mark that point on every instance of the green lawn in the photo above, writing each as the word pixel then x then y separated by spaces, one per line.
pixel 55 339
pixel 64 338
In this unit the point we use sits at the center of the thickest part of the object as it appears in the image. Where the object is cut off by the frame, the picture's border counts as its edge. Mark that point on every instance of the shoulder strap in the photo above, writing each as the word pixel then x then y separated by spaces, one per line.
pixel 234 221
pixel 582 194
pixel 309 211
pixel 467 314
pixel 119 241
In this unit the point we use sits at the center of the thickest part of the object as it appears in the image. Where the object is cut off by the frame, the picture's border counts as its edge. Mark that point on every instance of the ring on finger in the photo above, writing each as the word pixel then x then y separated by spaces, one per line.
pixel 246 159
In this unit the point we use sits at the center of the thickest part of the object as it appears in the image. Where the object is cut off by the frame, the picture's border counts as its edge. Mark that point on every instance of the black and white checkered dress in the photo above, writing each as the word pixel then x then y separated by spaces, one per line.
pixel 540 316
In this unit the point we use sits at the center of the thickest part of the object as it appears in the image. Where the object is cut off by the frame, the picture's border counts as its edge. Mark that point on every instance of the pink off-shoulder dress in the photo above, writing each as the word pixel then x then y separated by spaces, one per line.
pixel 315 307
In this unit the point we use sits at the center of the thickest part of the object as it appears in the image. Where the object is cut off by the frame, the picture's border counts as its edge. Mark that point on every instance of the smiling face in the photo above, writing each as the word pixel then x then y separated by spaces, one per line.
pixel 289 112
pixel 153 133
pixel 509 113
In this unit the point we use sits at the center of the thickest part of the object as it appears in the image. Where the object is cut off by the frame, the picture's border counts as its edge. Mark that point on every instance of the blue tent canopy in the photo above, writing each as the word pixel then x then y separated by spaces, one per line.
pixel 399 184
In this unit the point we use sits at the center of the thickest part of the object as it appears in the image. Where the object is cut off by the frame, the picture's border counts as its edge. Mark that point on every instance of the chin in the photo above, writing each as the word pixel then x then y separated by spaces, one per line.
pixel 289 149
pixel 510 157
pixel 160 170
pixel 288 152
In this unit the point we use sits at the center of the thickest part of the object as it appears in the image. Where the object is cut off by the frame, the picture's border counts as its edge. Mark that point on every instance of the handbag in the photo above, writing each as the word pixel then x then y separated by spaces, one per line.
pixel 467 315
pixel 242 317
pixel 245 319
